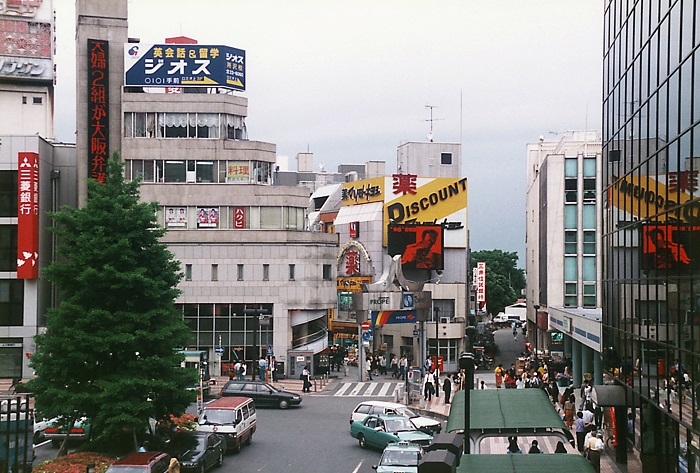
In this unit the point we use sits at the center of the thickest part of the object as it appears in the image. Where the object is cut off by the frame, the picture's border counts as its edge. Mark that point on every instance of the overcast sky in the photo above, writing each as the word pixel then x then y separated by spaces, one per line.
pixel 350 81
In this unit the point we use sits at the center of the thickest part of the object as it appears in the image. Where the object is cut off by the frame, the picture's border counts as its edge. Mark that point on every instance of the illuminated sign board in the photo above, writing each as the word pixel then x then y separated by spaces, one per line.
pixel 184 65
pixel 98 108
pixel 352 283
pixel 28 216
pixel 670 247
pixel 433 200
pixel 420 246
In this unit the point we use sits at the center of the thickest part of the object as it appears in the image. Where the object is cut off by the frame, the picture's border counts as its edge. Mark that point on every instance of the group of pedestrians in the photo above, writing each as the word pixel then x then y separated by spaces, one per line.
pixel 432 385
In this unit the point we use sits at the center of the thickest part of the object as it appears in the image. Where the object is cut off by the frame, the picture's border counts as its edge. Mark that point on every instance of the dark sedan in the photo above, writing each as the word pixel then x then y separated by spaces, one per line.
pixel 198 451
pixel 262 393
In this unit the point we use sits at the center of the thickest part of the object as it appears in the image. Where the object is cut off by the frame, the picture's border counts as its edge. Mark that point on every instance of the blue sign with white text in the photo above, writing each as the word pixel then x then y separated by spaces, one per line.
pixel 184 65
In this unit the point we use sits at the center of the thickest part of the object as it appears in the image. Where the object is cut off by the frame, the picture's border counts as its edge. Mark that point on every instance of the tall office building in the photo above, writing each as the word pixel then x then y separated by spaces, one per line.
pixel 651 239
pixel 562 251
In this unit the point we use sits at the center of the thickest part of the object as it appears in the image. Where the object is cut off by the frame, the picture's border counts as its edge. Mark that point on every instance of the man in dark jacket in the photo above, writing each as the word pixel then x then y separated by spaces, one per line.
pixel 447 387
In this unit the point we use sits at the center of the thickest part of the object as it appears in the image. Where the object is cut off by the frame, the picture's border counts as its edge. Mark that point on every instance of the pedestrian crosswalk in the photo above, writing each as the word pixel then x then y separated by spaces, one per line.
pixel 367 389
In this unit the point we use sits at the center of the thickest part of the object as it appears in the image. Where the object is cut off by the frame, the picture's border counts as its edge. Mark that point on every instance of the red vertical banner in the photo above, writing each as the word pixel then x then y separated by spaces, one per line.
pixel 98 108
pixel 239 217
pixel 28 216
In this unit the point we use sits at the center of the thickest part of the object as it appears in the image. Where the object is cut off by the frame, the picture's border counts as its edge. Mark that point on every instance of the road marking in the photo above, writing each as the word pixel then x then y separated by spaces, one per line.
pixel 357 389
pixel 384 390
pixel 370 389
pixel 357 468
pixel 342 389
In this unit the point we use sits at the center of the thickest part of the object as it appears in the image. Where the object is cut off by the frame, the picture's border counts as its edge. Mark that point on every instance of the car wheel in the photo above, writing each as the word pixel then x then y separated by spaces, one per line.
pixel 284 404
pixel 37 438
pixel 220 462
pixel 237 448
pixel 361 439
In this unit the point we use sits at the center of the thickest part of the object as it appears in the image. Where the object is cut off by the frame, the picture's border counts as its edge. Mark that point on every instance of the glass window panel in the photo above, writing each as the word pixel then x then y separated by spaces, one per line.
pixel 570 301
pixel 589 216
pixel 589 167
pixel 175 171
pixel 128 125
pixel 205 171
pixel 239 272
pixel 11 302
pixel 570 288
pixel 139 125
pixel 8 247
pixel 570 243
pixel 589 268
pixel 571 167
pixel 8 193
pixel 570 268
pixel 270 218
pixel 570 220
pixel 149 171
pixel 266 272
pixel 136 169
pixel 588 243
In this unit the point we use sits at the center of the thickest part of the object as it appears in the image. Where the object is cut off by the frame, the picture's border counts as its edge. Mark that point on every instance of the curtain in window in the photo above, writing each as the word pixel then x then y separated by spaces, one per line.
pixel 172 119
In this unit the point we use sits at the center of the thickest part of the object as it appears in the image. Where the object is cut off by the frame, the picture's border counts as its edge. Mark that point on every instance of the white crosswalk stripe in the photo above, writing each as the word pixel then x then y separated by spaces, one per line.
pixel 363 389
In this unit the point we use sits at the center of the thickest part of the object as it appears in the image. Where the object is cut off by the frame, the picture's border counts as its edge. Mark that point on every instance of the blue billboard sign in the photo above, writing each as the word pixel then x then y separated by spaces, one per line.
pixel 184 65
pixel 384 317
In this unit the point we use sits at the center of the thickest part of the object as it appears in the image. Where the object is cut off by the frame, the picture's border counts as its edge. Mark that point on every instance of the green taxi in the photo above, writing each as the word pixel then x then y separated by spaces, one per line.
pixel 381 430
pixel 401 457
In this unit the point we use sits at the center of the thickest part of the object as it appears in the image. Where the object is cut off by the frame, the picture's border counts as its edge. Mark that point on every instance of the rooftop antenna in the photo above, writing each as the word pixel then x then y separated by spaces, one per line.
pixel 431 120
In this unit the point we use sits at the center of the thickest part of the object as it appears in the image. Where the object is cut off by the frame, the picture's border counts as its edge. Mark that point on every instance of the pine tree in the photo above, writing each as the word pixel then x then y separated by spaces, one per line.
pixel 110 349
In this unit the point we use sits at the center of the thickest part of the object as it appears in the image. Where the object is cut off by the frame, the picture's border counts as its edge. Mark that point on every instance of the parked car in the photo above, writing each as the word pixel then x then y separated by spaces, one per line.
pixel 365 408
pixel 198 451
pixel 141 462
pixel 400 457
pixel 381 430
pixel 57 430
pixel 40 426
pixel 262 393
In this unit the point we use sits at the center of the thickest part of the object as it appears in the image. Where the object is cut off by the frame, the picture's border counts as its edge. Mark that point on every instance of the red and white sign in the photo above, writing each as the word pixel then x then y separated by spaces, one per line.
pixel 354 229
pixel 481 282
pixel 366 325
pixel 238 217
pixel 28 216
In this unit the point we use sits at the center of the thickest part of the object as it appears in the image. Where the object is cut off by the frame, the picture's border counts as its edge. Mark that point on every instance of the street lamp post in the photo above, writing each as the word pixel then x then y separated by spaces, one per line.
pixel 537 334
pixel 466 363
pixel 436 314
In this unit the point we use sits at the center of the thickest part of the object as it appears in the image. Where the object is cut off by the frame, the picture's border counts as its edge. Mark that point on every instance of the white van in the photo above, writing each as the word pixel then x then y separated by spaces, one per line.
pixel 233 417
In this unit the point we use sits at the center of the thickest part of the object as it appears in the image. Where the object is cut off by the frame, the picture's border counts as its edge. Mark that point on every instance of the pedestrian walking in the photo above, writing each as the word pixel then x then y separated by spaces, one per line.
pixel 447 387
pixel 515 331
pixel 306 377
pixel 429 388
pixel 499 375
pixel 534 448
pixel 346 364
pixel 569 408
pixel 593 449
pixel 513 446
pixel 403 363
pixel 273 369
pixel 262 368
pixel 394 365
pixel 580 428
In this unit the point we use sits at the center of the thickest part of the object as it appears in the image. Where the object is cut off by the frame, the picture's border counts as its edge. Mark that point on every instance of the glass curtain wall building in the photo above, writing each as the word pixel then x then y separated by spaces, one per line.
pixel 651 241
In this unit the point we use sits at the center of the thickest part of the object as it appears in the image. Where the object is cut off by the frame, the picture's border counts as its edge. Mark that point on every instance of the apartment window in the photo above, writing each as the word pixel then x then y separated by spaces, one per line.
pixel 8 193
pixel 8 247
pixel 326 272
pixel 24 100
pixel 570 167
pixel 214 272
pixel 589 296
pixel 37 100
pixel 266 272
pixel 588 243
pixel 11 302
pixel 292 272
pixel 589 268
pixel 570 268
pixel 570 217
pixel 188 272
pixel 570 299
pixel 570 243
pixel 445 158
pixel 175 171
pixel 589 190
pixel 570 189
pixel 239 272
pixel 589 217
pixel 589 167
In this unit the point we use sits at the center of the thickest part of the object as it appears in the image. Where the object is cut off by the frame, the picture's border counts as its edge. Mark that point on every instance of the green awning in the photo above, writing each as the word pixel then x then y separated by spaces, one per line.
pixel 523 411
pixel 524 463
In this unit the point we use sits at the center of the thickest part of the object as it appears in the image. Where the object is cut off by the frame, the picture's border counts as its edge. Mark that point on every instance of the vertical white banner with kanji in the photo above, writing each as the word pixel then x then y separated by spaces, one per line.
pixel 481 283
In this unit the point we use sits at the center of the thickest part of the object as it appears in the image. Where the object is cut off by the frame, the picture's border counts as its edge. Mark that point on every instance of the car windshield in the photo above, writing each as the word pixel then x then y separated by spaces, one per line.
pixel 405 411
pixel 266 386
pixel 197 443
pixel 398 425
pixel 217 416
pixel 400 458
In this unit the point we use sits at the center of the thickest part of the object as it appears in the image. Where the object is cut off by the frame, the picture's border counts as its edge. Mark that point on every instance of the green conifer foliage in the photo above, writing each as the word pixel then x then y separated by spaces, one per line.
pixel 110 349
